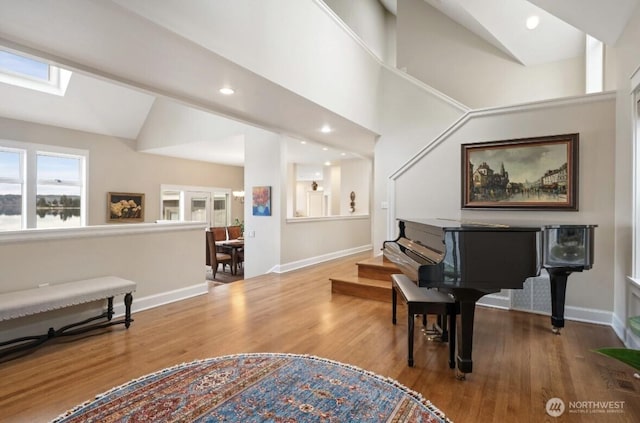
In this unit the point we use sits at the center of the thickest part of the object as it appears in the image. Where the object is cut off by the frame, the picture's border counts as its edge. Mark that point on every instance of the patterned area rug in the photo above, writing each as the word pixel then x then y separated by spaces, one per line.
pixel 258 388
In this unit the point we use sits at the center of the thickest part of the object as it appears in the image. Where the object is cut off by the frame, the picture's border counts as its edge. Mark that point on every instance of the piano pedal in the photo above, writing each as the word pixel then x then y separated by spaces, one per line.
pixel 434 334
pixel 555 330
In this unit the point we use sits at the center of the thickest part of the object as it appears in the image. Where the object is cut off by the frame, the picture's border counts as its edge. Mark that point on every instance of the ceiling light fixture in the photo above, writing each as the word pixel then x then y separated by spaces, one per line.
pixel 325 129
pixel 226 91
pixel 327 163
pixel 532 22
pixel 325 149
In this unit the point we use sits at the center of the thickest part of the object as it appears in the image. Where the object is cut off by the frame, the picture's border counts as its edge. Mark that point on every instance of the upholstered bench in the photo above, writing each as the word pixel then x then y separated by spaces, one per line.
pixel 423 301
pixel 52 297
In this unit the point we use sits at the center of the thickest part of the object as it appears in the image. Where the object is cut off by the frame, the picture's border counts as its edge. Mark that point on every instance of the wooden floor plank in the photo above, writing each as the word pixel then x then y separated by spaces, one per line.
pixel 518 363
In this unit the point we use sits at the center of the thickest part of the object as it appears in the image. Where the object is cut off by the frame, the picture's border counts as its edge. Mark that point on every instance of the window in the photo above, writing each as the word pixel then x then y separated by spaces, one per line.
pixel 31 73
pixel 189 203
pixel 11 188
pixel 58 190
pixel 24 66
pixel 220 209
pixel 41 186
pixel 594 60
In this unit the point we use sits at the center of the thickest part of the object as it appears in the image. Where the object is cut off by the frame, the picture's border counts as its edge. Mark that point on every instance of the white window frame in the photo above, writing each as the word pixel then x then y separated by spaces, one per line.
pixel 635 120
pixel 56 84
pixel 21 180
pixel 182 189
pixel 30 181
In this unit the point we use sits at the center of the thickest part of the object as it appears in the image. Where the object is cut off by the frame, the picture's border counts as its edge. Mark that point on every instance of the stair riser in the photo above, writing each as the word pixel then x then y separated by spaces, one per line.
pixel 361 291
pixel 376 272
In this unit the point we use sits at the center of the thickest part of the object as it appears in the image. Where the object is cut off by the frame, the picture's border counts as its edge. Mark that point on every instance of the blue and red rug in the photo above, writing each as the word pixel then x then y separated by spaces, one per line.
pixel 258 388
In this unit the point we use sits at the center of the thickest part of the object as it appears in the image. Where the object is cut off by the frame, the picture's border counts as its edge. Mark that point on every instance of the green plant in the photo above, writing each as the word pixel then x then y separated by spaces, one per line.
pixel 240 223
pixel 628 356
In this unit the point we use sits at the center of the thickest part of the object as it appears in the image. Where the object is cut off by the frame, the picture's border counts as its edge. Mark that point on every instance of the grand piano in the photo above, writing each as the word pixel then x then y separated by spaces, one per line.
pixel 472 259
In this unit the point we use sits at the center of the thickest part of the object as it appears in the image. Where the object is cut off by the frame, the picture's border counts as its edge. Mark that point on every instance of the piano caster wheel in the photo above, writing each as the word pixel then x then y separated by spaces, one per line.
pixel 555 330
pixel 460 375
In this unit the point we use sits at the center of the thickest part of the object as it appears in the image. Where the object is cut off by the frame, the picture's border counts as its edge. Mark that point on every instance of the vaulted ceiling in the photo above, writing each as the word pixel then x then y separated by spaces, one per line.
pixel 559 35
pixel 96 104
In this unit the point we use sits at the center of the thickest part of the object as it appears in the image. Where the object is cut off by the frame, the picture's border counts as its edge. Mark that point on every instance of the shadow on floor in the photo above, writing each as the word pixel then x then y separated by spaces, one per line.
pixel 223 278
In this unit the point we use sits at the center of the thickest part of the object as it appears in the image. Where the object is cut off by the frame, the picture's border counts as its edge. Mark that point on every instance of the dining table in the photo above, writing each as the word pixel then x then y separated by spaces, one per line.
pixel 236 245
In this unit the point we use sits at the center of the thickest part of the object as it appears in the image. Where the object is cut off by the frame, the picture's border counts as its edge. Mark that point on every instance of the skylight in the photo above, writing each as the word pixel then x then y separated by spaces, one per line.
pixel 26 72
pixel 24 66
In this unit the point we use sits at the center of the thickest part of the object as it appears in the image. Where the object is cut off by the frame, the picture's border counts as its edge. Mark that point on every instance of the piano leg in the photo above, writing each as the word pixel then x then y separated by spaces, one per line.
pixel 558 278
pixel 467 300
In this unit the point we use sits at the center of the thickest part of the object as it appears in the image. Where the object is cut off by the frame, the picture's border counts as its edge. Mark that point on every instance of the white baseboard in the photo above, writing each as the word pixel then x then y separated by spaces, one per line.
pixel 632 341
pixel 287 267
pixel 495 301
pixel 577 314
pixel 587 315
pixel 156 300
pixel 618 327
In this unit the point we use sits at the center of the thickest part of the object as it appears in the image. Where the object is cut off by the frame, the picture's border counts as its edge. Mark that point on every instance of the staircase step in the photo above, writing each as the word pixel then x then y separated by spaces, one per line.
pixel 377 268
pixel 356 286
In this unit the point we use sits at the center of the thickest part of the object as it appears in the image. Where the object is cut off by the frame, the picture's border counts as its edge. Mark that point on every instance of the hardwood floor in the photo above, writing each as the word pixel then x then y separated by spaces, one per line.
pixel 518 363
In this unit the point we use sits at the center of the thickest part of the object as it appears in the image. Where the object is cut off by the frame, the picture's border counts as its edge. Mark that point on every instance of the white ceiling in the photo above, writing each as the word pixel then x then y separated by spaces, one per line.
pixel 89 104
pixel 560 34
pixel 96 105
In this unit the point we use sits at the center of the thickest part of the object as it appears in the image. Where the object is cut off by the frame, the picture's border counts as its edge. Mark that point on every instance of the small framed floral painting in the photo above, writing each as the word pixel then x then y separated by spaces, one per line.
pixel 261 201
pixel 125 207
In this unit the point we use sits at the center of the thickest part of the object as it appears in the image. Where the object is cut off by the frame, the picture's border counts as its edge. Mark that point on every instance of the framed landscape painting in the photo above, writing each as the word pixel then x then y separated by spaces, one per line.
pixel 125 207
pixel 530 174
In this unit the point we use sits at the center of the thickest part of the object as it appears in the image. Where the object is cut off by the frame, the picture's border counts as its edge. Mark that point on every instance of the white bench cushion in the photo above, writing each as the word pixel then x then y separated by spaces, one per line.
pixel 36 300
pixel 414 294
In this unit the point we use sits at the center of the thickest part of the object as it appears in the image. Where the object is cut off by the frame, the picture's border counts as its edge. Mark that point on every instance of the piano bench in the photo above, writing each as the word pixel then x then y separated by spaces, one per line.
pixel 423 301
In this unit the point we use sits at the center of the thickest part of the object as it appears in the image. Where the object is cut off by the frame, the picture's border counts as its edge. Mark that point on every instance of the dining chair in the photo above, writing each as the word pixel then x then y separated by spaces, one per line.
pixel 220 233
pixel 215 257
pixel 234 232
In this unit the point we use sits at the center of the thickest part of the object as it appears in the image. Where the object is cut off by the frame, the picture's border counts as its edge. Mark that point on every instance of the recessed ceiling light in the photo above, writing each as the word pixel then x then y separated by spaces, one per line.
pixel 325 129
pixel 226 90
pixel 327 163
pixel 343 154
pixel 324 149
pixel 303 142
pixel 532 22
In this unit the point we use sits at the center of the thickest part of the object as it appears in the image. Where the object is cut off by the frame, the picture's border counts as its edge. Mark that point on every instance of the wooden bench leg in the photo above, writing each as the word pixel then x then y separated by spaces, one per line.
pixel 128 299
pixel 109 308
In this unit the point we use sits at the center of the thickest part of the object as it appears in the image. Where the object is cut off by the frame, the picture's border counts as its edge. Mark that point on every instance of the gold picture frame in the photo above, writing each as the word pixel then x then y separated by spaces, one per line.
pixel 123 207
pixel 538 173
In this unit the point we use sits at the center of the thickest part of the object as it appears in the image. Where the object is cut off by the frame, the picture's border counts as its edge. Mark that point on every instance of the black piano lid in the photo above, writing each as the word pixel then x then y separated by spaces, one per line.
pixel 471 225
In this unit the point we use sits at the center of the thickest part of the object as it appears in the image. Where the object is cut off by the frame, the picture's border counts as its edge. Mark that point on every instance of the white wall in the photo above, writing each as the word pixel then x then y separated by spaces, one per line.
pixel 452 59
pixel 368 20
pixel 116 166
pixel 289 42
pixel 411 116
pixel 437 194
pixel 307 242
pixel 264 166
pixel 627 60
pixel 165 260
pixel 355 177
